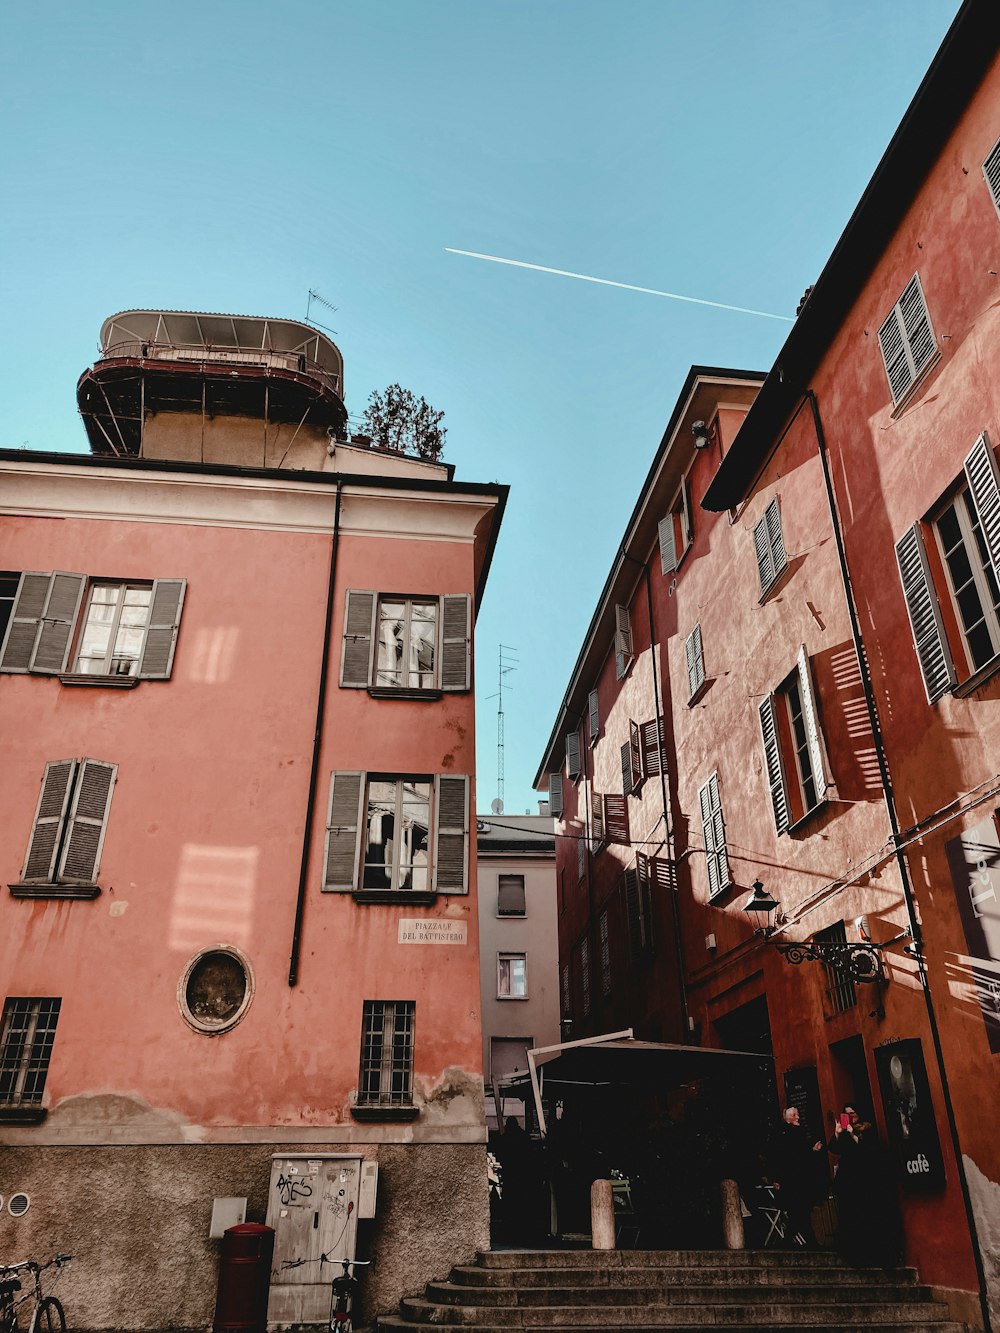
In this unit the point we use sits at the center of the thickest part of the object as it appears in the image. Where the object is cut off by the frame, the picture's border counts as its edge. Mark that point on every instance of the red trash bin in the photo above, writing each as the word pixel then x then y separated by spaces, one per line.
pixel 244 1279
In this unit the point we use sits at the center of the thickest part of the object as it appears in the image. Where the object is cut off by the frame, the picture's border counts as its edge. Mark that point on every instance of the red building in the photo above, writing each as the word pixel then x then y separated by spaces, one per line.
pixel 822 598
pixel 239 945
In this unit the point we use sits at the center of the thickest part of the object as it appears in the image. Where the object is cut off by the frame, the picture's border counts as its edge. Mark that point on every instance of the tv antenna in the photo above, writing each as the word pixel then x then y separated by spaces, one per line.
pixel 507 664
pixel 320 300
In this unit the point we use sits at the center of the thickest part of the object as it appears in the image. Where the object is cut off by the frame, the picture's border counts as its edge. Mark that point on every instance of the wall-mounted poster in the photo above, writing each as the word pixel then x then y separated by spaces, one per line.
pixel 974 861
pixel 909 1115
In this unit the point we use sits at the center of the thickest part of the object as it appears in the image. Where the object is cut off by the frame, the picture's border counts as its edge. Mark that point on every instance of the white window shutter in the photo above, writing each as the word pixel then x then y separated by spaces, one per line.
pixel 593 716
pixel 917 325
pixel 814 736
pixel 451 842
pixel 695 661
pixel 25 622
pixel 58 618
pixel 573 755
pixel 556 795
pixel 88 819
pixel 651 739
pixel 43 845
pixel 667 532
pixel 762 547
pixel 773 767
pixel 772 517
pixel 714 833
pixel 984 484
pixel 344 826
pixel 456 641
pixel 596 824
pixel 929 640
pixel 359 633
pixel 623 641
pixel 991 172
pixel 892 345
pixel 158 647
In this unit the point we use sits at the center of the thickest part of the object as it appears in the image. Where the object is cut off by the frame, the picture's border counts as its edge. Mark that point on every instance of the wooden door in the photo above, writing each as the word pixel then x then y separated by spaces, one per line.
pixel 313 1207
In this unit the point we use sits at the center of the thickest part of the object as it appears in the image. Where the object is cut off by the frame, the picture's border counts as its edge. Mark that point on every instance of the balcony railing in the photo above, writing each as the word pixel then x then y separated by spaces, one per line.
pixel 207 354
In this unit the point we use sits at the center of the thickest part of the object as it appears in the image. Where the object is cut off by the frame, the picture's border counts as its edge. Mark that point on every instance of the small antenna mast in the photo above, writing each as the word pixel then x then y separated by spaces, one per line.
pixel 320 300
pixel 507 664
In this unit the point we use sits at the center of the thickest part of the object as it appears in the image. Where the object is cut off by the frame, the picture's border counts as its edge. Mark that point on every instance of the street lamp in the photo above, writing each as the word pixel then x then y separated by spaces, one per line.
pixel 758 908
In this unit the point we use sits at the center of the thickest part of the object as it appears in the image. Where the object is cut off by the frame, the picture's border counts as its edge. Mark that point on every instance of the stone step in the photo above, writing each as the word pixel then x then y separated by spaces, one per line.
pixel 842 1324
pixel 722 1274
pixel 756 1314
pixel 514 1259
pixel 698 1293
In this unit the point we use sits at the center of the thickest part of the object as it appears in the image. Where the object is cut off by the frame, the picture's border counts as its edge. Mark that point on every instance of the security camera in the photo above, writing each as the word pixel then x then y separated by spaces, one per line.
pixel 702 434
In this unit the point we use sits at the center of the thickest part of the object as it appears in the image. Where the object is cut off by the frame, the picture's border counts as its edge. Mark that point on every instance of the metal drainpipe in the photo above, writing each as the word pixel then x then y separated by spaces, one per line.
pixel 904 874
pixel 668 833
pixel 300 901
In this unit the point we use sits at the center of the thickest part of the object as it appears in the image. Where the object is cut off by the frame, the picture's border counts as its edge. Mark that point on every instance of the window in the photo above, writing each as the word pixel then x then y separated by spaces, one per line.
pixel 127 629
pixel 674 530
pixel 991 170
pixel 907 341
pixel 556 795
pixel 966 569
pixel 623 641
pixel 389 833
pixel 68 829
pixel 713 827
pixel 510 895
pixel 695 660
pixel 793 747
pixel 605 955
pixel 840 992
pixel 581 857
pixel 596 823
pixel 386 1053
pixel 9 580
pixel 406 644
pixel 29 1029
pixel 616 826
pixel 770 547
pixel 512 976
pixel 573 769
pixel 641 754
pixel 593 717
pixel 585 976
pixel 215 990
pixel 638 910
pixel 564 991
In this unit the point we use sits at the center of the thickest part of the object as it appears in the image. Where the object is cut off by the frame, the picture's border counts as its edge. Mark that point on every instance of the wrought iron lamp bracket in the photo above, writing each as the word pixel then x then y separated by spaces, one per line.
pixel 858 962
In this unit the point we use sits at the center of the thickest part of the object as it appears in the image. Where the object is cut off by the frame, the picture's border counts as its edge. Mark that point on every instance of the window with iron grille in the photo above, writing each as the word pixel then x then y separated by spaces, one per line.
pixel 29 1029
pixel 510 895
pixel 841 994
pixel 387 1053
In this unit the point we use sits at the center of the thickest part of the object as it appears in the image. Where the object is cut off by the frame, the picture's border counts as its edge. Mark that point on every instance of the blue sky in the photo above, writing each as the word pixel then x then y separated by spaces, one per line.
pixel 229 155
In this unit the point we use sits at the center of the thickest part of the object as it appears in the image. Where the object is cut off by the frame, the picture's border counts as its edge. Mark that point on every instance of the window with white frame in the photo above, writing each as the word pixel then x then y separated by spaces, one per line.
pixel 510 895
pixel 769 545
pixel 512 976
pixel 713 828
pixel 907 341
pixel 27 1032
pixel 67 833
pixel 991 171
pixel 794 758
pixel 404 644
pixel 695 662
pixel 674 530
pixel 623 641
pixel 386 1077
pixel 392 833
pixel 953 561
pixel 120 628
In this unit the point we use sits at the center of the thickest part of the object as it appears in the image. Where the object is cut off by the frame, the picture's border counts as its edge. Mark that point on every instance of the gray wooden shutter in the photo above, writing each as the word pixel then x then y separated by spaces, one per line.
pixel 58 618
pixel 555 795
pixel 161 632
pixel 456 641
pixel 359 631
pixel 593 716
pixel 765 563
pixel 635 748
pixel 991 172
pixel 687 528
pixel 628 778
pixel 25 622
pixel 772 518
pixel 695 661
pixel 892 345
pixel 810 716
pixel 344 826
pixel 906 340
pixel 714 833
pixel 773 767
pixel 984 484
pixel 616 819
pixel 623 641
pixel 651 734
pixel 573 755
pixel 451 842
pixel 81 854
pixel 667 532
pixel 581 857
pixel 43 845
pixel 933 654
pixel 596 824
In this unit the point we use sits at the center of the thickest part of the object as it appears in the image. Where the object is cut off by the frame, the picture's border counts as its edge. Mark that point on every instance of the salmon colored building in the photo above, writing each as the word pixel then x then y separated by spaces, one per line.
pixel 239 948
pixel 805 601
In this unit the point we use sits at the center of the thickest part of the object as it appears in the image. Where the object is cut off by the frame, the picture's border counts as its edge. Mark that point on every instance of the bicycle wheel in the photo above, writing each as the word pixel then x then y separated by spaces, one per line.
pixel 48 1317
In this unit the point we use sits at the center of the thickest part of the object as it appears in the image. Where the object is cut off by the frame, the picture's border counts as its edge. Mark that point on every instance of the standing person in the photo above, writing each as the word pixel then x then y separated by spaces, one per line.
pixel 868 1223
pixel 794 1172
pixel 515 1155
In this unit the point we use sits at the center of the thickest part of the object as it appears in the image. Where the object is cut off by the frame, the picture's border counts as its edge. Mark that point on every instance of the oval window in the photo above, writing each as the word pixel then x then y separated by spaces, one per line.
pixel 215 990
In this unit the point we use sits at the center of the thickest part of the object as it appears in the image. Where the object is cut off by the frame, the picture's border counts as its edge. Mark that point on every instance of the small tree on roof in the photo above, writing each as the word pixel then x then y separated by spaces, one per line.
pixel 397 419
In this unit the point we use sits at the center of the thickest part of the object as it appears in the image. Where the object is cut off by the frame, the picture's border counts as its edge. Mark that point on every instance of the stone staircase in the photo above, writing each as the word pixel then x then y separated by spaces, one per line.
pixel 631 1291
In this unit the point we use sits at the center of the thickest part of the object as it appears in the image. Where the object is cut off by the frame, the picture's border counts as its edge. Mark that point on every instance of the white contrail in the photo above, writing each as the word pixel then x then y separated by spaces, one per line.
pixel 626 286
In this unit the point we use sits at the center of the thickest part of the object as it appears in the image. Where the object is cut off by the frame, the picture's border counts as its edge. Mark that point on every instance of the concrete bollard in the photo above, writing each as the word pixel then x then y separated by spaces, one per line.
pixel 602 1216
pixel 732 1216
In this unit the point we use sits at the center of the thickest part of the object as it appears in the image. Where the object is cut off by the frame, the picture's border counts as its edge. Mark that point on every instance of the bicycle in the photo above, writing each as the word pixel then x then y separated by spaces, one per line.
pixel 47 1315
pixel 342 1292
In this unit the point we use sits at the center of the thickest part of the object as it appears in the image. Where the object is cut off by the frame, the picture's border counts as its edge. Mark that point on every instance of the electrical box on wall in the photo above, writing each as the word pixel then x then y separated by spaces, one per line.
pixel 368 1190
pixel 226 1213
